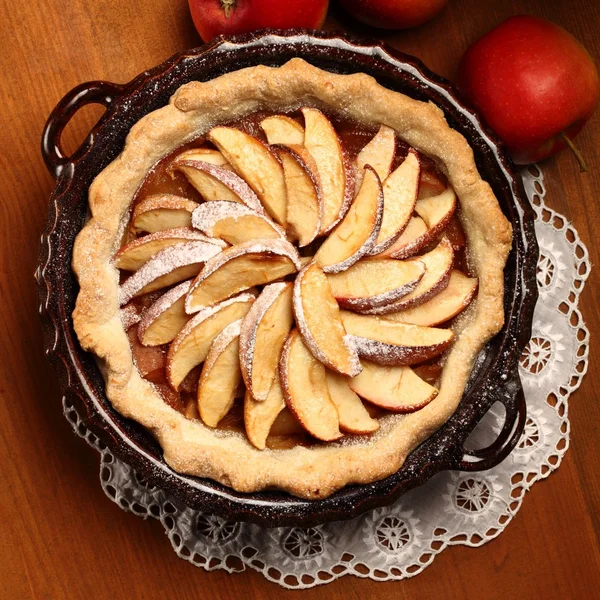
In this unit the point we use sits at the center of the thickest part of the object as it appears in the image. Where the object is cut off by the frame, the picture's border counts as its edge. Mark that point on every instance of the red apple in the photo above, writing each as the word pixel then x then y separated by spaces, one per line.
pixel 393 14
pixel 534 84
pixel 227 17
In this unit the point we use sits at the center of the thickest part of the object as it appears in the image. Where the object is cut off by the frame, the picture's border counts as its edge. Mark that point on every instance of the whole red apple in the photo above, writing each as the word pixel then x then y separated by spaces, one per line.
pixel 223 17
pixel 393 14
pixel 534 84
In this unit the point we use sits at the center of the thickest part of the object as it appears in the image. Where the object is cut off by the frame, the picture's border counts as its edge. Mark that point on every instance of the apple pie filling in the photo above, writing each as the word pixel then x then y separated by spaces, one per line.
pixel 294 277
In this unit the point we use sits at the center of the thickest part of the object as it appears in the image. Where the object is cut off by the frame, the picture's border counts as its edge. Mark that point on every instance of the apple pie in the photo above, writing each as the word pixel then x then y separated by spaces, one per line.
pixel 287 275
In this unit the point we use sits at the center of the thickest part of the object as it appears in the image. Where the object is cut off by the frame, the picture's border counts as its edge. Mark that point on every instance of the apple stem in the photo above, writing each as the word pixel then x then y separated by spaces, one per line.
pixel 228 7
pixel 569 142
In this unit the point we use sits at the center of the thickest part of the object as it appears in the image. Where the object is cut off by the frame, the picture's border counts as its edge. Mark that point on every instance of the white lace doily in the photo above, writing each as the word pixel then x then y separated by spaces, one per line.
pixel 453 507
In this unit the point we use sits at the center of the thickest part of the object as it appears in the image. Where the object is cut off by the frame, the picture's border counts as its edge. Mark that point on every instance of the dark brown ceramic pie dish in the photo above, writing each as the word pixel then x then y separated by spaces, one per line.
pixel 494 378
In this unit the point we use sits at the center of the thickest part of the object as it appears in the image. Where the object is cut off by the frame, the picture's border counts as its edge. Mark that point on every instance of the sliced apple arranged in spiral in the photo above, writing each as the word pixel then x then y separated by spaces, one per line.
pixel 304 196
pixel 356 235
pixel 259 416
pixel 221 376
pixel 306 391
pixel 239 268
pixel 133 255
pixel 374 283
pixel 263 333
pixel 191 346
pixel 322 142
pixel 234 223
pixel 256 164
pixel 319 320
pixel 318 340
pixel 391 343
pixel 397 389
pixel 162 211
pixel 281 129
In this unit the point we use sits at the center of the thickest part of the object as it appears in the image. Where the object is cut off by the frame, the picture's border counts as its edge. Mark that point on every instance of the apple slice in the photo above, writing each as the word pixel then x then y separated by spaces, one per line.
pixel 163 320
pixel 133 255
pixel 354 417
pixel 306 391
pixel 255 163
pixel 192 343
pixel 218 183
pixel 263 334
pixel 209 155
pixel 443 306
pixel 260 416
pixel 321 140
pixel 411 242
pixel 355 236
pixel 379 153
pixel 318 318
pixel 437 211
pixel 304 203
pixel 431 183
pixel 239 268
pixel 162 211
pixel 169 266
pixel 130 316
pixel 221 376
pixel 438 267
pixel 397 389
pixel 234 222
pixel 281 129
pixel 390 343
pixel 399 198
pixel 375 282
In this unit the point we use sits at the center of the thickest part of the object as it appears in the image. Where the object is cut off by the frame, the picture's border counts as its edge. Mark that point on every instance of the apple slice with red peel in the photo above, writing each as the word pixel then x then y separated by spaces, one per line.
pixel 130 316
pixel 304 203
pixel 321 140
pixel 397 389
pixel 167 267
pixel 375 282
pixel 306 391
pixel 191 346
pixel 411 242
pixel 354 417
pixel 379 154
pixel 234 222
pixel 355 236
pixel 221 376
pixel 443 306
pixel 255 163
pixel 390 343
pixel 399 197
pixel 164 319
pixel 263 333
pixel 209 155
pixel 239 268
pixel 260 416
pixel 162 211
pixel 319 321
pixel 438 268
pixel 133 255
pixel 431 183
pixel 281 129
pixel 437 211
pixel 217 183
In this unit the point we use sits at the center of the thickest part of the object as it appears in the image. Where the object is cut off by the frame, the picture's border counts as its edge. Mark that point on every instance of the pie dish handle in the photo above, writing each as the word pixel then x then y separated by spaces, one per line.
pixel 512 429
pixel 92 92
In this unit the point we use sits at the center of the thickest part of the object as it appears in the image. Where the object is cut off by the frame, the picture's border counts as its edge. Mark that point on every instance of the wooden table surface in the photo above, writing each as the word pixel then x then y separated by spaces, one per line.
pixel 61 537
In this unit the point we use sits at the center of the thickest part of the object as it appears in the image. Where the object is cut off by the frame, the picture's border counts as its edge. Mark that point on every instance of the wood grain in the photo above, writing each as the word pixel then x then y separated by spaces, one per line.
pixel 61 537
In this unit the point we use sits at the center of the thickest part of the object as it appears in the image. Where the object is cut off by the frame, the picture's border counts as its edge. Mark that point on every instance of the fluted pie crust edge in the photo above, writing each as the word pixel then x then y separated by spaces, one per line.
pixel 189 446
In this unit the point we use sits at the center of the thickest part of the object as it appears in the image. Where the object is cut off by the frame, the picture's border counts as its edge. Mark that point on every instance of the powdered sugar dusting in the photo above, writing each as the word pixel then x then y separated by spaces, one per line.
pixel 163 303
pixel 166 261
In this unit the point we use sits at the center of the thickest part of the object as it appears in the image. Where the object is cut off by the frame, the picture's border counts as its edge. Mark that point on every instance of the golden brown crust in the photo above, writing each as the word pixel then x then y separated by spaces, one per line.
pixel 189 446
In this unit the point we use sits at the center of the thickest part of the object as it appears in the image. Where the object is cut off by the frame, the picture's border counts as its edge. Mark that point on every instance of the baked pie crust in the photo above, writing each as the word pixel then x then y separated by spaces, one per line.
pixel 189 446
